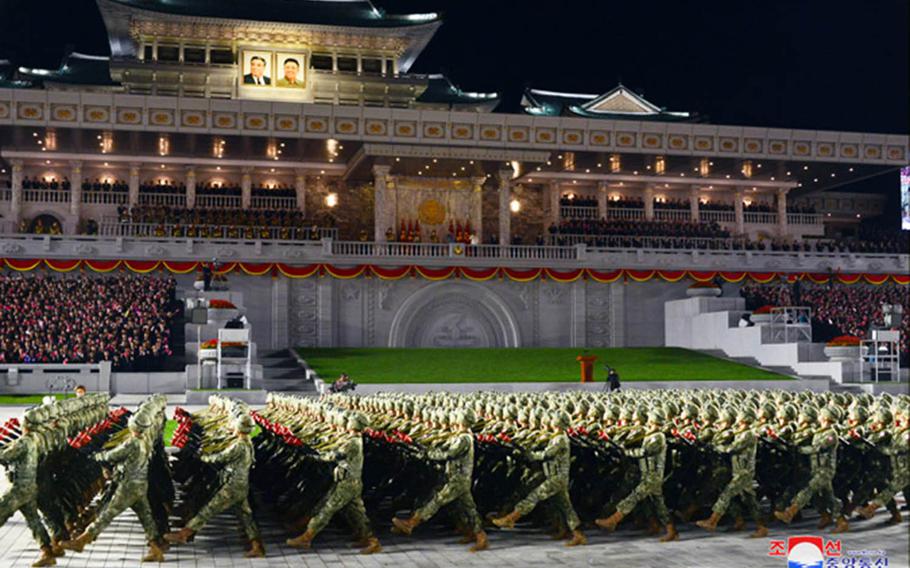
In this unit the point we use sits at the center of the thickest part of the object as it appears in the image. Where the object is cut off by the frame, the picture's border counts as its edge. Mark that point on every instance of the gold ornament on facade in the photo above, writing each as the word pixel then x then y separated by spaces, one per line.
pixel 431 212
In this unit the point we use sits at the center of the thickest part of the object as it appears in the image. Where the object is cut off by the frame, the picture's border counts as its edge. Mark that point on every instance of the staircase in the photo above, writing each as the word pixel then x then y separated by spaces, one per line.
pixel 177 361
pixel 281 372
pixel 711 324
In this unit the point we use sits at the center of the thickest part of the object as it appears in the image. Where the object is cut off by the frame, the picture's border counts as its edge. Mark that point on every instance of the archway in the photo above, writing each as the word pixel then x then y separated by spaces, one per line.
pixel 454 314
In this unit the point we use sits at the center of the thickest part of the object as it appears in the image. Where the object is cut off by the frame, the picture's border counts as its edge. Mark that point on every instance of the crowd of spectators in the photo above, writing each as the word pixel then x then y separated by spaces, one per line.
pixel 235 190
pixel 123 319
pixel 672 203
pixel 837 309
pixel 634 233
pixel 164 221
pixel 42 183
pixel 106 185
pixel 573 200
pixel 711 205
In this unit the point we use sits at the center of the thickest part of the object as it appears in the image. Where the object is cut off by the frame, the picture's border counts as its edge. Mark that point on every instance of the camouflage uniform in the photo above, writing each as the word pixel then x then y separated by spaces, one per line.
pixel 22 457
pixel 458 454
pixel 556 459
pixel 234 469
pixel 651 458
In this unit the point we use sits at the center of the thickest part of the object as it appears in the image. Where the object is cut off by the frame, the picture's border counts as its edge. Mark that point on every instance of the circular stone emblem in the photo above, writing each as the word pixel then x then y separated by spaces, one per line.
pixel 432 212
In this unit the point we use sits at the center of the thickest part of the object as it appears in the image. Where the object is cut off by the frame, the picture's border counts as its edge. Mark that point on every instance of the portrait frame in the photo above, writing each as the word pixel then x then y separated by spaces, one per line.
pixel 246 67
pixel 280 78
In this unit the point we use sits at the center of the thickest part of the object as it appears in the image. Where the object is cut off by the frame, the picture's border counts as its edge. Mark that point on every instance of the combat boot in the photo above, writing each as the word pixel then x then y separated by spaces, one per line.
pixel 869 510
pixel 154 554
pixel 578 539
pixel 787 514
pixel 78 543
pixel 303 541
pixel 739 524
pixel 610 522
pixel 256 549
pixel 46 558
pixel 180 537
pixel 709 524
pixel 56 549
pixel 508 521
pixel 671 534
pixel 842 525
pixel 372 546
pixel 298 526
pixel 761 531
pixel 653 527
pixel 407 526
pixel 480 543
pixel 561 533
pixel 895 519
pixel 824 521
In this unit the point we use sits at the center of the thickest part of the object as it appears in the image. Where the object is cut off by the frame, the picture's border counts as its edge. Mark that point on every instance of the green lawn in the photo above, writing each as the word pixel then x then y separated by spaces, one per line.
pixel 24 399
pixel 523 365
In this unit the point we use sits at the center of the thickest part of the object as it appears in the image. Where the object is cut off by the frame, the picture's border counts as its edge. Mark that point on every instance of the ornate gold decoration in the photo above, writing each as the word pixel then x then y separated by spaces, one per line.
pixel 431 212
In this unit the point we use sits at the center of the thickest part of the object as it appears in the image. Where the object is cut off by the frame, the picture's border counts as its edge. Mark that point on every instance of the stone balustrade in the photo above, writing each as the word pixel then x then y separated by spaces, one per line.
pixel 432 254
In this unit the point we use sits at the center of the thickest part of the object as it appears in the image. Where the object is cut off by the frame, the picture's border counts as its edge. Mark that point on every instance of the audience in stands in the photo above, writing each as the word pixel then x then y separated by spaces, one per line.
pixel 44 183
pixel 631 233
pixel 123 319
pixel 164 221
pixel 572 200
pixel 672 203
pixel 837 309
pixel 106 185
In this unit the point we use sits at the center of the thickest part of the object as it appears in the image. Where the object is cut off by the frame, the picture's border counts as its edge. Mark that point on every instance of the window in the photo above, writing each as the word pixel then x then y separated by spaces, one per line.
pixel 148 52
pixel 168 53
pixel 222 56
pixel 321 61
pixel 194 54
pixel 372 65
pixel 347 64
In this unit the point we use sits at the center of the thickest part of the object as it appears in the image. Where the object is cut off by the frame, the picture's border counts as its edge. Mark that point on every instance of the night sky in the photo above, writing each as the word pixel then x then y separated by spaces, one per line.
pixel 791 63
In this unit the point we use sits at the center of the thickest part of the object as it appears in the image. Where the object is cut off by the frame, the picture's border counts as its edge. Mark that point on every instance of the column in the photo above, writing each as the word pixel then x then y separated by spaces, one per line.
pixel 553 196
pixel 134 183
pixel 246 188
pixel 300 191
pixel 477 207
pixel 648 198
pixel 382 221
pixel 694 203
pixel 738 211
pixel 505 213
pixel 602 199
pixel 15 204
pixel 782 211
pixel 75 188
pixel 190 187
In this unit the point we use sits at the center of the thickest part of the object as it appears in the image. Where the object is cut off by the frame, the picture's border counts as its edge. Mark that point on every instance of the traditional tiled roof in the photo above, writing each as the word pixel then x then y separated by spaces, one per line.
pixel 77 69
pixel 355 13
pixel 440 90
pixel 618 103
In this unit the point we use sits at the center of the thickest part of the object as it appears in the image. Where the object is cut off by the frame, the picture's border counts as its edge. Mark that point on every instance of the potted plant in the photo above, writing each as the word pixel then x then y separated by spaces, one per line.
pixel 843 348
pixel 704 290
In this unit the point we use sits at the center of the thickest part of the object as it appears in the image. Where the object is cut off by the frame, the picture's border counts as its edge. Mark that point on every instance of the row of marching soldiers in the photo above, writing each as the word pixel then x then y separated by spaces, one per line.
pixel 657 457
pixel 56 460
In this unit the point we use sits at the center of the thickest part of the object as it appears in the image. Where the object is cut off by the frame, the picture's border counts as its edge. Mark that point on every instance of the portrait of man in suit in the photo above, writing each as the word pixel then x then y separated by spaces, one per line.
pixel 256 74
pixel 292 72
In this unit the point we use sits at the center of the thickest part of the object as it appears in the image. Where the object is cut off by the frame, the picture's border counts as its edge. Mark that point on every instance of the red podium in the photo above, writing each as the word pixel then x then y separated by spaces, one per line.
pixel 587 367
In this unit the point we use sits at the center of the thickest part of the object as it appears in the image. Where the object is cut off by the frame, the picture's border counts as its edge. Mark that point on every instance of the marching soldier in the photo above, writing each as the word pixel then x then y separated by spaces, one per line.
pixel 742 451
pixel 130 461
pixel 556 458
pixel 651 458
pixel 234 464
pixel 898 452
pixel 21 458
pixel 458 453
pixel 346 492
pixel 822 451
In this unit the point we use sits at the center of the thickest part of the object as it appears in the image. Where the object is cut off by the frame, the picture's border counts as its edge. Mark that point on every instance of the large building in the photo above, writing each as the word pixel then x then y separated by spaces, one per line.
pixel 431 218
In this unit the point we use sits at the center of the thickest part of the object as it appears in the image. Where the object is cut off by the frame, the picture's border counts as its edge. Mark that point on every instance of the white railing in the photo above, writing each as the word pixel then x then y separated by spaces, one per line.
pixel 202 231
pixel 760 218
pixel 625 213
pixel 452 250
pixel 267 202
pixel 600 242
pixel 804 219
pixel 46 195
pixel 791 324
pixel 717 216
pixel 170 199
pixel 105 197
pixel 6 194
pixel 578 212
pixel 673 214
pixel 219 201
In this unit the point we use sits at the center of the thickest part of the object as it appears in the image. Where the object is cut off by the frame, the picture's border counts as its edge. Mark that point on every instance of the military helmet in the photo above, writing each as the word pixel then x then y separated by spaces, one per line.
pixel 243 423
pixel 858 413
pixel 746 414
pixel 727 415
pixel 559 419
pixel 356 421
pixel 808 413
pixel 139 422
pixel 884 416
pixel 656 416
